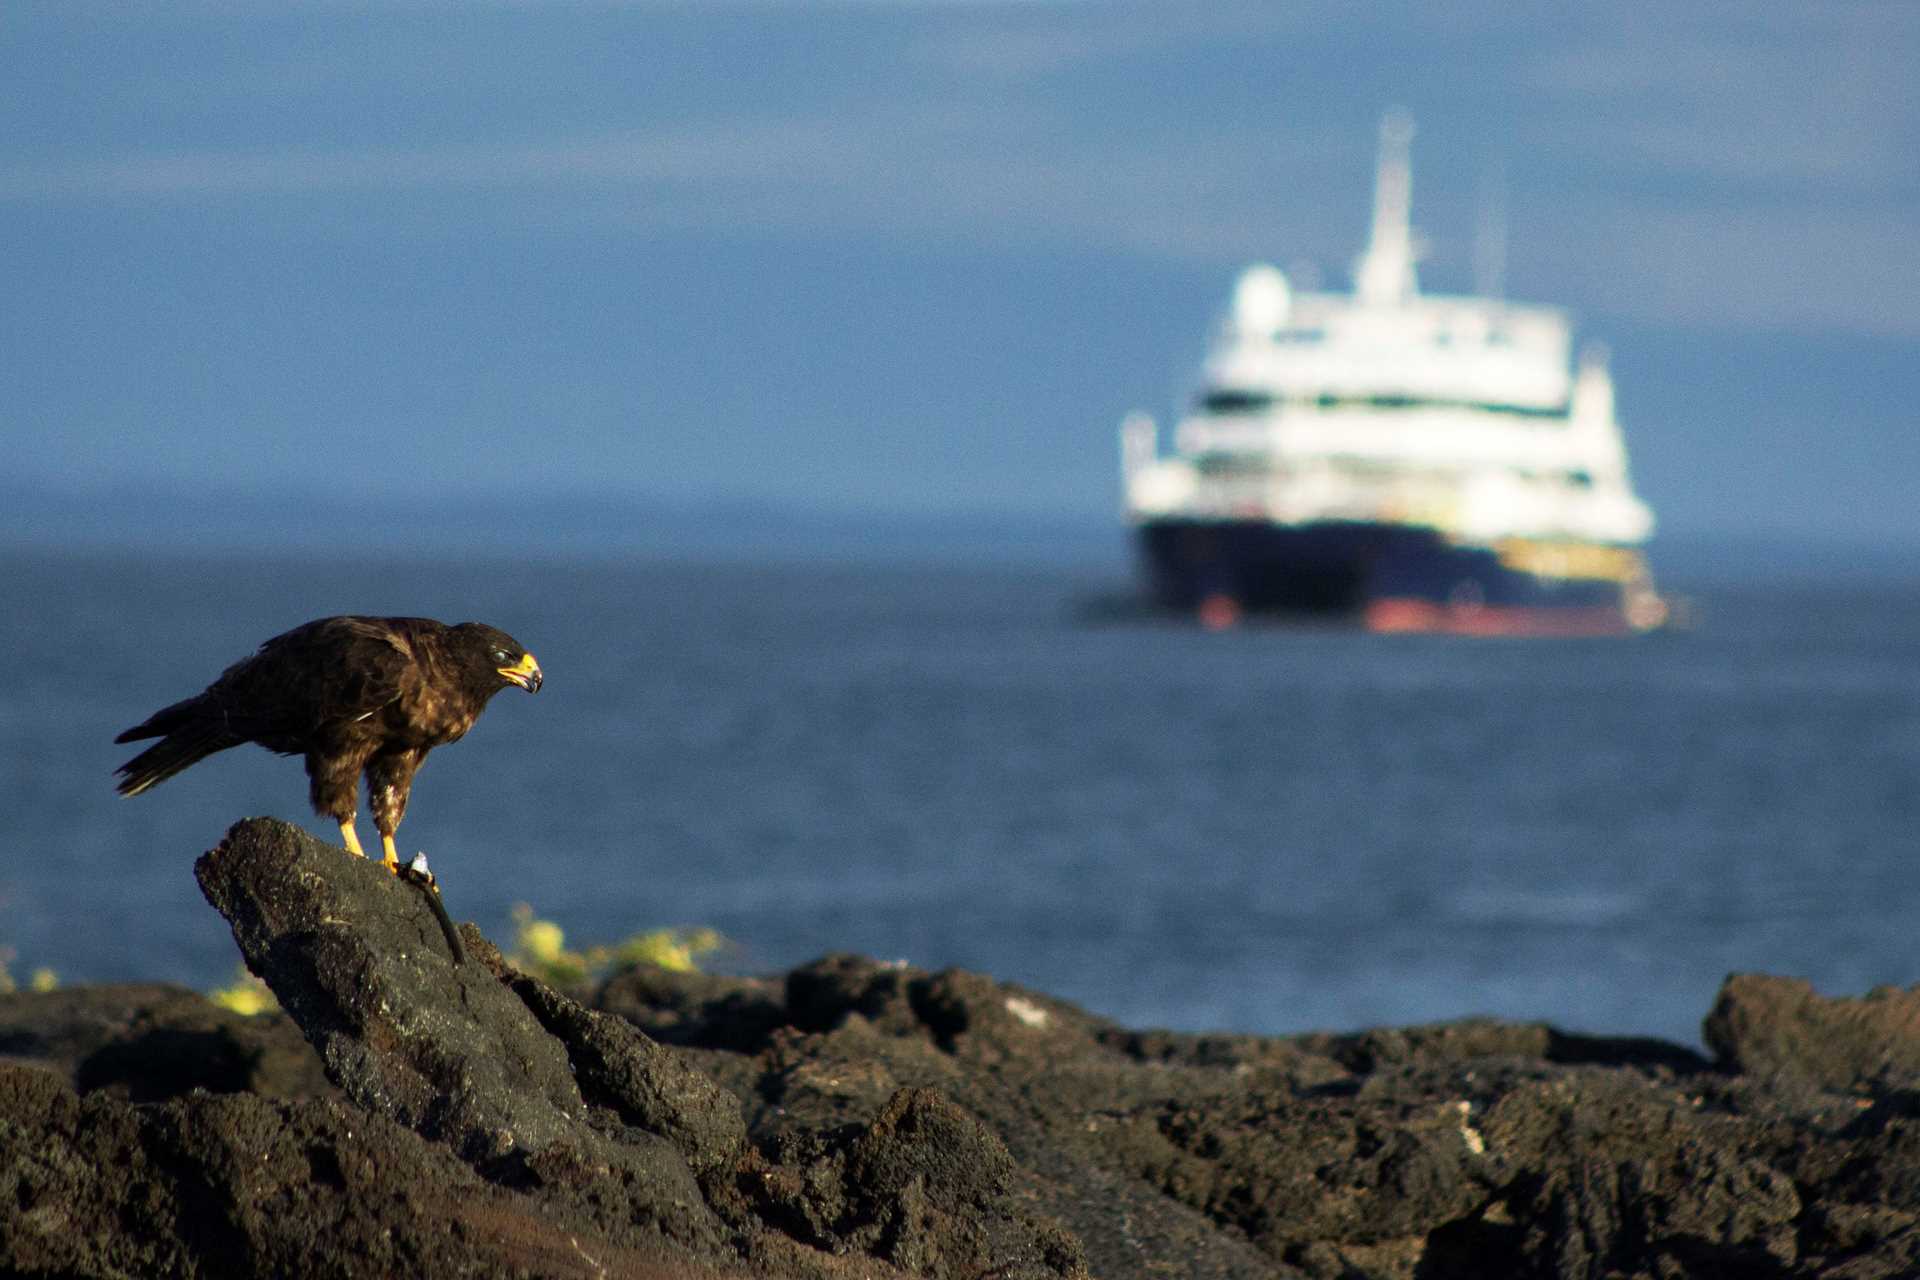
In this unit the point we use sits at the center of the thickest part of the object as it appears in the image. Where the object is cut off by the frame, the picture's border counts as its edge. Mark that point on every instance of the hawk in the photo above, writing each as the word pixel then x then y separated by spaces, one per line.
pixel 354 696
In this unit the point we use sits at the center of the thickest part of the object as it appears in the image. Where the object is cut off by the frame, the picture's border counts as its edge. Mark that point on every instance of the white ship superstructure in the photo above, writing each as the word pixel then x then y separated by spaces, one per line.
pixel 1463 417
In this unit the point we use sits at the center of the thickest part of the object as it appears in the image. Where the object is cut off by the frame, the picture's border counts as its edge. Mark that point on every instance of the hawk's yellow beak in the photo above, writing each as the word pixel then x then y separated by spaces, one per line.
pixel 525 673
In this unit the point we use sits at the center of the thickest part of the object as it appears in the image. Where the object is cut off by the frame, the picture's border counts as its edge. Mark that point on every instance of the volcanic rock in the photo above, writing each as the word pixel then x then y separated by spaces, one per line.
pixel 1781 1029
pixel 410 1114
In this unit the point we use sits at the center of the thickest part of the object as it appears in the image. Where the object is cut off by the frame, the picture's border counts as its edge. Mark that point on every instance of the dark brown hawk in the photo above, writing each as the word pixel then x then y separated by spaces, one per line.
pixel 353 695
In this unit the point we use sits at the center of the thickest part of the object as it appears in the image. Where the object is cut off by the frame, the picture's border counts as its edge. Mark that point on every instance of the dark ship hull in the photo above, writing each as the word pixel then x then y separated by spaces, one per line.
pixel 1389 577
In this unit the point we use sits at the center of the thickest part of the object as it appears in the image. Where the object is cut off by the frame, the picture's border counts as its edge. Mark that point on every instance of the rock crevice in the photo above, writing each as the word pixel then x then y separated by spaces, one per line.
pixel 407 1115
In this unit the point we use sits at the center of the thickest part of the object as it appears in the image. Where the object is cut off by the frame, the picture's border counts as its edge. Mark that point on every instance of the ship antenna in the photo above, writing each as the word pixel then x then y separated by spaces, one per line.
pixel 1490 242
pixel 1385 275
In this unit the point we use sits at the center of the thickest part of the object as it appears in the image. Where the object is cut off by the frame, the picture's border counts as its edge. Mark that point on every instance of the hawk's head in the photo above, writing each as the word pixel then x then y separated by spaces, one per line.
pixel 491 656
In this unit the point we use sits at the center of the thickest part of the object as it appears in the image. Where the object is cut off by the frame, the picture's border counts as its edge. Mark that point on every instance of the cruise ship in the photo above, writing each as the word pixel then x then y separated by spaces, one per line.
pixel 1411 461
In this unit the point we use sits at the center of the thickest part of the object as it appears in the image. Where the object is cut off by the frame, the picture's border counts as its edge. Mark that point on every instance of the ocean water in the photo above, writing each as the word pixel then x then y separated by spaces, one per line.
pixel 1272 829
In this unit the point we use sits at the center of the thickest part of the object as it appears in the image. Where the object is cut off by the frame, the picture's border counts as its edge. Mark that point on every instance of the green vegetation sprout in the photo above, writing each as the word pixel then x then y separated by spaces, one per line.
pixel 540 949
pixel 41 979
pixel 246 995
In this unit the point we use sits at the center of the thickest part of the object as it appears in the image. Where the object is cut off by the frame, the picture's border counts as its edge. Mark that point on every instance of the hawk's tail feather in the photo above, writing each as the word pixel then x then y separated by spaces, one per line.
pixel 166 720
pixel 185 746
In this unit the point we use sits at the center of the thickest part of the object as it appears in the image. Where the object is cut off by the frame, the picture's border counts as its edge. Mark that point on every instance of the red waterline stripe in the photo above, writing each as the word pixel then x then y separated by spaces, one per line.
pixel 1400 614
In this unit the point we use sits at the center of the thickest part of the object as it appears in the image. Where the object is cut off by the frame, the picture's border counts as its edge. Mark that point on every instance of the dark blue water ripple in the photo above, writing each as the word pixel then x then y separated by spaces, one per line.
pixel 1268 830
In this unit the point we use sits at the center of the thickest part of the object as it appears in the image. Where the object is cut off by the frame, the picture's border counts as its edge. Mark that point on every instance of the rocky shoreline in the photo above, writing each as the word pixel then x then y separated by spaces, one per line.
pixel 408 1115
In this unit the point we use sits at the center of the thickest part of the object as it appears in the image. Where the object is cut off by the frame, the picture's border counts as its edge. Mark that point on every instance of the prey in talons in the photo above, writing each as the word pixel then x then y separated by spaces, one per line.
pixel 416 874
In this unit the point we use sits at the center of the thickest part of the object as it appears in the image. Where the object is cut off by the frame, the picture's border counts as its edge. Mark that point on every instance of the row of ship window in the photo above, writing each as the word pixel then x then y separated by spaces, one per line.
pixel 1441 338
pixel 1239 464
pixel 1223 400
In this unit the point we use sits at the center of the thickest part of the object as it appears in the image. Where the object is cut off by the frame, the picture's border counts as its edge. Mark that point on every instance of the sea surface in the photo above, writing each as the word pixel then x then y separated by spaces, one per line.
pixel 1271 829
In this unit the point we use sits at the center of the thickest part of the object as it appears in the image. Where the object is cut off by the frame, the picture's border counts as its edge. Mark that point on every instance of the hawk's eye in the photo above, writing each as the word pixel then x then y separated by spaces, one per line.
pixel 500 656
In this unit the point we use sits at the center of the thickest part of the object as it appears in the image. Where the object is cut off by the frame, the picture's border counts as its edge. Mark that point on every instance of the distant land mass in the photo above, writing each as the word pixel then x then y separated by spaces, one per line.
pixel 579 524
pixel 173 518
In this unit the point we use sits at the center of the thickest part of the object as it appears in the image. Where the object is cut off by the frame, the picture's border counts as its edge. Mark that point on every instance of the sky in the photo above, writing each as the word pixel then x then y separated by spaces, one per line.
pixel 314 259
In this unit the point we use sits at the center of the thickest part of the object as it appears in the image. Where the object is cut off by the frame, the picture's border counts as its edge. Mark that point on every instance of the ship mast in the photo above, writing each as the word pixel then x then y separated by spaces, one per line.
pixel 1490 237
pixel 1384 275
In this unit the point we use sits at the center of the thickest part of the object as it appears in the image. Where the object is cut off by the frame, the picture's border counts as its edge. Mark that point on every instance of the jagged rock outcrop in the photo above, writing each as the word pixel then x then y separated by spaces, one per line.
pixel 410 1115
pixel 1781 1030
pixel 447 1119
